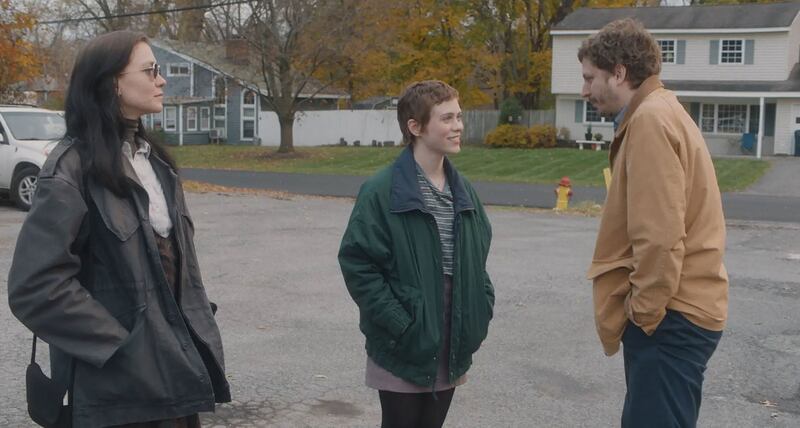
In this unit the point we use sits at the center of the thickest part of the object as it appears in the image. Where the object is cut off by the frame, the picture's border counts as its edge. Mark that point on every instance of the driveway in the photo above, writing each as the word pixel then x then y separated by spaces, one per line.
pixel 295 357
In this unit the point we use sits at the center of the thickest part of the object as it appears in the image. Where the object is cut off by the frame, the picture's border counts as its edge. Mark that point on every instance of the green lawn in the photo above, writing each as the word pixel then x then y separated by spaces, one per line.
pixel 477 163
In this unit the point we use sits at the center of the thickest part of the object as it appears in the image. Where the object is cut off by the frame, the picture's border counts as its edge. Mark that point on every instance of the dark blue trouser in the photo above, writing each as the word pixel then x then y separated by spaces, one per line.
pixel 664 373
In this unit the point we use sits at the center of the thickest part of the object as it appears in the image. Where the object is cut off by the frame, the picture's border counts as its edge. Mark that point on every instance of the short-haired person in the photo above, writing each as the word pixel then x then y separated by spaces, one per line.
pixel 660 286
pixel 413 258
pixel 105 269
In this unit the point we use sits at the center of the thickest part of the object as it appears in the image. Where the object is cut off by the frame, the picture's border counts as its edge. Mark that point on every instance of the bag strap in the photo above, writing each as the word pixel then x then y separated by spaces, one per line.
pixel 33 351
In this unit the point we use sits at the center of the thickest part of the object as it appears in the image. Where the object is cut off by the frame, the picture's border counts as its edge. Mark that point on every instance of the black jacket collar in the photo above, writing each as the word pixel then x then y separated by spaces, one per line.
pixel 406 195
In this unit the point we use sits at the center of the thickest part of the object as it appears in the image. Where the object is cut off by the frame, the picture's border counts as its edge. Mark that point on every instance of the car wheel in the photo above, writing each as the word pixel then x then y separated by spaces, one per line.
pixel 23 187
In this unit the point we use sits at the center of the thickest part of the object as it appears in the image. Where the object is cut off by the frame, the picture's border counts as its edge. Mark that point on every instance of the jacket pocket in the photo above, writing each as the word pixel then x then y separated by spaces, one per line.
pixel 609 292
pixel 118 214
pixel 475 322
pixel 418 344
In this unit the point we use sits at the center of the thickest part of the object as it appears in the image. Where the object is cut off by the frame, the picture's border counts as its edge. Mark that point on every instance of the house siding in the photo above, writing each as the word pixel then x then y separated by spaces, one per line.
pixel 176 86
pixel 784 127
pixel 566 75
pixel 202 81
pixel 793 45
pixel 565 118
pixel 194 138
pixel 235 113
pixel 770 49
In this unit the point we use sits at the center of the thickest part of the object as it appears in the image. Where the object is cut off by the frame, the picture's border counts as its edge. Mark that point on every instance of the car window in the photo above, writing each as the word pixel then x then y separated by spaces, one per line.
pixel 29 125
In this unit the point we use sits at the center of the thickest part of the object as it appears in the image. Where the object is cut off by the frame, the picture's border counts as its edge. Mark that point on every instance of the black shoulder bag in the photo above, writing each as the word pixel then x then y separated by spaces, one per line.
pixel 46 397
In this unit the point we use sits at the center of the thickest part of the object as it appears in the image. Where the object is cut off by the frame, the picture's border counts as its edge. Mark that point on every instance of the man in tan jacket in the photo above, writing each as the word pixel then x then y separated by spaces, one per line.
pixel 660 286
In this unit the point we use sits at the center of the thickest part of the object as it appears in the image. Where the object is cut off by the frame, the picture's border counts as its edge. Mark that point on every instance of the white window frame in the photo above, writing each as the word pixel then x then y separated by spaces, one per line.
pixel 746 120
pixel 224 106
pixel 242 120
pixel 716 118
pixel 713 118
pixel 674 50
pixel 157 117
pixel 188 66
pixel 191 122
pixel 223 118
pixel 207 125
pixel 602 120
pixel 721 43
pixel 174 111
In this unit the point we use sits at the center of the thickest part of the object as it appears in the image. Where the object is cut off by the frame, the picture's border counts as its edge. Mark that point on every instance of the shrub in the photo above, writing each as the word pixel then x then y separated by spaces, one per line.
pixel 542 136
pixel 598 137
pixel 507 136
pixel 510 112
pixel 520 137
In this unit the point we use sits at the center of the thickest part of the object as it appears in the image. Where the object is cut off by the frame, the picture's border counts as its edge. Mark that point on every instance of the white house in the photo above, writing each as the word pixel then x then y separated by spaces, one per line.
pixel 735 68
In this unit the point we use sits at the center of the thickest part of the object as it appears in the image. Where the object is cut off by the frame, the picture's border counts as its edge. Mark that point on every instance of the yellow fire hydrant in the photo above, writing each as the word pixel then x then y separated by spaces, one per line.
pixel 563 194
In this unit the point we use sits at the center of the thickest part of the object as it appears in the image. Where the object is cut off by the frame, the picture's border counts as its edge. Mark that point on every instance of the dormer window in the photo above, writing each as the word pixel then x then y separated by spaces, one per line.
pixel 731 52
pixel 668 52
pixel 178 69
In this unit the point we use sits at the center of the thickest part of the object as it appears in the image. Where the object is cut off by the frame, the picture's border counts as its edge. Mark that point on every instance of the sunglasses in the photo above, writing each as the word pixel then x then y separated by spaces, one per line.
pixel 154 71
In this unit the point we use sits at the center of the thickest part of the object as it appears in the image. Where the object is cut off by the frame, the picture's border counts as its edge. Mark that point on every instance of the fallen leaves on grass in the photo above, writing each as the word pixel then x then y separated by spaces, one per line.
pixel 272 155
pixel 202 187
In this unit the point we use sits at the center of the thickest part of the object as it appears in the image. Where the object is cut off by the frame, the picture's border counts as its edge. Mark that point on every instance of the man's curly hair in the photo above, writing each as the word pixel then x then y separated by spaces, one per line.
pixel 624 42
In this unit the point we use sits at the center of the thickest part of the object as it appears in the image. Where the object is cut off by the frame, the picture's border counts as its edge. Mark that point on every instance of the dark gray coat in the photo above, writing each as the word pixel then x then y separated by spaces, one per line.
pixel 87 278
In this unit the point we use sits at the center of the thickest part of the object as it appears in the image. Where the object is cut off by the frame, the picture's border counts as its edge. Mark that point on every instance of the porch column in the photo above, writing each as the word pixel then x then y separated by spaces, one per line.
pixel 180 124
pixel 760 127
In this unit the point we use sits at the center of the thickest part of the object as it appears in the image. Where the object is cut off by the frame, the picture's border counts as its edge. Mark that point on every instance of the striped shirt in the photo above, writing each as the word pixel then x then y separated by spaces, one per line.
pixel 440 204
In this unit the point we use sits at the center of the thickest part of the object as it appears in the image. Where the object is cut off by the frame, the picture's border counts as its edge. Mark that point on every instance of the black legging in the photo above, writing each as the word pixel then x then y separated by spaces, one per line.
pixel 415 410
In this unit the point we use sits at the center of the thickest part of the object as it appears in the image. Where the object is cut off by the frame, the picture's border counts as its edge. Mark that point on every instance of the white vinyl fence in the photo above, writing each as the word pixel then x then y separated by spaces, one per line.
pixel 317 128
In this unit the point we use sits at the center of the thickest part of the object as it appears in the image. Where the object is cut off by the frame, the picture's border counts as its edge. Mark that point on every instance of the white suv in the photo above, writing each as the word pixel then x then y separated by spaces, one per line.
pixel 27 135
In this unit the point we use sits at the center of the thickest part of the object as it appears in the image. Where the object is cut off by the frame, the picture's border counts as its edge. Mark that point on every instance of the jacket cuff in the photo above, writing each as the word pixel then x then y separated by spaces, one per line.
pixel 100 356
pixel 648 322
pixel 610 347
pixel 398 322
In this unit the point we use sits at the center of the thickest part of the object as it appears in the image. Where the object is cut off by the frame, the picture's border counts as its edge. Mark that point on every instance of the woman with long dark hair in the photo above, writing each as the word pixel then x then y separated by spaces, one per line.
pixel 105 269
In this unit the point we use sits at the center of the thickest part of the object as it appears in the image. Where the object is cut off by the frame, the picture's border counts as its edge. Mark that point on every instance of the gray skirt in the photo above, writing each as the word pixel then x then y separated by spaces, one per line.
pixel 381 379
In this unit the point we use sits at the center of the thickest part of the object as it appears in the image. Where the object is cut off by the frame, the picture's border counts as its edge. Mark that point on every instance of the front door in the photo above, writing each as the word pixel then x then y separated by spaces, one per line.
pixel 794 126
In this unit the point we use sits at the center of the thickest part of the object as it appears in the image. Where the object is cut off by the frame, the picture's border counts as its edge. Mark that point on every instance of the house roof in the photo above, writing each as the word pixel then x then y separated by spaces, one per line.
pixel 186 100
pixel 741 16
pixel 43 84
pixel 792 84
pixel 375 102
pixel 212 55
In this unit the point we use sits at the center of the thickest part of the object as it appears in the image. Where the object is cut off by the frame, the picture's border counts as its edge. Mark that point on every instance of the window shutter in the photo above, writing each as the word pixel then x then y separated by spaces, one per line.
pixel 749 47
pixel 713 56
pixel 753 125
pixel 694 110
pixel 578 111
pixel 769 120
pixel 680 54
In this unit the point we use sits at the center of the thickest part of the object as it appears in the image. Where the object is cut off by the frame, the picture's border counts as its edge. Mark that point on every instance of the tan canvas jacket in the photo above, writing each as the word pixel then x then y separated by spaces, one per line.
pixel 662 236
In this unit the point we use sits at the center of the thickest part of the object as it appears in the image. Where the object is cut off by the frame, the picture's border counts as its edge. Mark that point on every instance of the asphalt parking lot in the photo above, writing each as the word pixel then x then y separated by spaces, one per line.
pixel 295 356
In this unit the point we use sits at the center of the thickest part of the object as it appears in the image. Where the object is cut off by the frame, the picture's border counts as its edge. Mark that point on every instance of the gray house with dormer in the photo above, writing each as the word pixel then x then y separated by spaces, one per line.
pixel 735 68
pixel 214 93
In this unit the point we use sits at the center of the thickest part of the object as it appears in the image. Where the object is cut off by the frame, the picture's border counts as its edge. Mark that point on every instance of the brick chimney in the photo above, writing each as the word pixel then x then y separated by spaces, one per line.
pixel 237 51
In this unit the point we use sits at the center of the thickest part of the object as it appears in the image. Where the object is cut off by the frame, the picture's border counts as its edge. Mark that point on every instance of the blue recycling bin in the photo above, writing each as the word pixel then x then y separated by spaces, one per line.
pixel 797 142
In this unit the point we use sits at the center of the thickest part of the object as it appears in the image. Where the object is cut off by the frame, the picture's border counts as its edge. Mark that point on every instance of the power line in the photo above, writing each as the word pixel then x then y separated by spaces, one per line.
pixel 152 12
